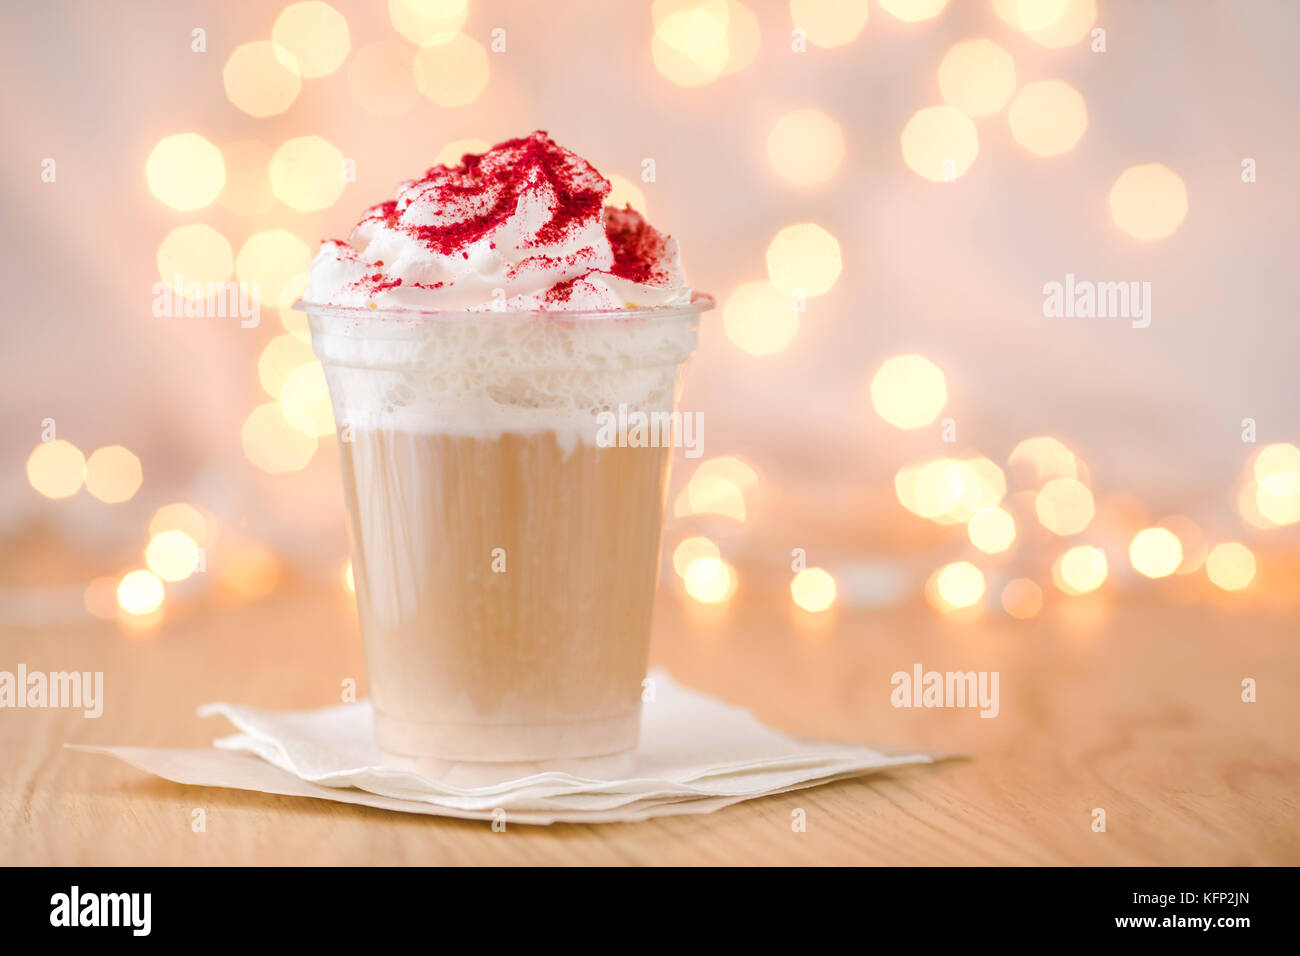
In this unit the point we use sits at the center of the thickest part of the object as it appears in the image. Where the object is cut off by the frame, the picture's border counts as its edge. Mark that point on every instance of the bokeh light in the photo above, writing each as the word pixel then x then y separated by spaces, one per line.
pixel 992 530
pixel 454 73
pixel 909 391
pixel 939 143
pixel 1080 569
pixel 1230 565
pixel 305 389
pixel 316 34
pixel 428 22
pixel 805 146
pixel 690 46
pixel 711 494
pixel 113 474
pixel 248 187
pixel 1073 25
pixel 759 318
pixel 249 571
pixel 1034 15
pixel 977 77
pixel 379 78
pixel 1190 539
pixel 279 438
pixel 348 578
pixel 100 598
pixel 262 78
pixel 1148 202
pixel 279 358
pixel 710 580
pixel 829 23
pixel 739 473
pixel 1064 506
pixel 180 516
pixel 804 258
pixel 956 586
pixel 691 548
pixel 453 152
pixel 1155 552
pixel 913 11
pixel 1047 457
pixel 949 491
pixel 272 260
pixel 743 36
pixel 1048 118
pixel 185 171
pixel 624 192
pixel 195 253
pixel 813 589
pixel 172 555
pixel 56 469
pixel 307 173
pixel 140 592
pixel 1022 598
pixel 1276 488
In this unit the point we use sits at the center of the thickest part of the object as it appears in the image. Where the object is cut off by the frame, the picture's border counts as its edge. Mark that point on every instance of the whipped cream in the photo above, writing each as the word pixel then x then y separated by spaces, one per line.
pixel 521 227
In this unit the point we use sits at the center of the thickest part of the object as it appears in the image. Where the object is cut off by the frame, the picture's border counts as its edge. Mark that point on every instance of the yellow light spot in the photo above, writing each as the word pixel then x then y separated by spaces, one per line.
pixel 172 555
pixel 956 586
pixel 1279 457
pixel 1277 496
pixel 1032 16
pixel 182 517
pixel 1230 565
pixel 305 389
pixel 428 22
pixel 1190 539
pixel 1148 202
pixel 316 34
pixel 262 78
pixel 625 193
pixel 991 530
pixel 452 73
pixel 1073 25
pixel 1080 569
pixel 691 548
pixel 271 261
pixel 1064 506
pixel 56 469
pixel 379 78
pixel 293 321
pixel 690 45
pixel 279 438
pixel 806 147
pixel 454 152
pixel 743 37
pixel 1155 552
pixel 1022 598
pixel 813 589
pixel 248 187
pixel 185 171
pixel 196 253
pixel 829 23
pixel 939 143
pixel 931 489
pixel 140 592
pixel 1048 118
pixel 759 318
pixel 977 77
pixel 909 391
pixel 100 598
pixel 349 581
pixel 1047 457
pixel 732 468
pixel 710 494
pixel 913 11
pixel 307 173
pixel 804 258
pixel 113 474
pixel 249 571
pixel 709 580
pixel 279 358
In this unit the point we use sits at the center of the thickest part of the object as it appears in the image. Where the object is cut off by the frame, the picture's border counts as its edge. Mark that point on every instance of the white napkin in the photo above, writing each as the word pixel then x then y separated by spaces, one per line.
pixel 697 755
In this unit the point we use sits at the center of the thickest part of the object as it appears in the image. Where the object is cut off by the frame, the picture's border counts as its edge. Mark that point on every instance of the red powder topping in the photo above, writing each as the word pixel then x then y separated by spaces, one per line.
pixel 638 246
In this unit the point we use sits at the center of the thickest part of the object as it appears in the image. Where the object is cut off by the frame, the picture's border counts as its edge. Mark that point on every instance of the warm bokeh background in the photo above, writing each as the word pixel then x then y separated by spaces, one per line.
pixel 788 146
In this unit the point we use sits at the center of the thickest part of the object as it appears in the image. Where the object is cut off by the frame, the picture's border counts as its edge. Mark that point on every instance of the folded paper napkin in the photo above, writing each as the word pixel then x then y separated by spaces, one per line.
pixel 697 755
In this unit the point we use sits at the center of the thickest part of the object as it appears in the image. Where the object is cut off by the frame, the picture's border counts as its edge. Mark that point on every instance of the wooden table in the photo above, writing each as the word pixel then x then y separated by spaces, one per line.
pixel 1134 708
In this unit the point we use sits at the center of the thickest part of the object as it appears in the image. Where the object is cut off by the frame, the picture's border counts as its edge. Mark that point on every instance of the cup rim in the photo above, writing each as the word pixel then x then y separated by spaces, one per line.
pixel 700 302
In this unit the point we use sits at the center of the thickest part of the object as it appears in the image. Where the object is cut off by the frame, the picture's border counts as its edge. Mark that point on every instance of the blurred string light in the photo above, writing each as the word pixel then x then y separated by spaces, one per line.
pixel 172 555
pixel 56 469
pixel 1047 457
pixel 696 41
pixel 248 187
pixel 1022 598
pixel 180 516
pixel 1230 565
pixel 804 258
pixel 453 73
pixel 805 147
pixel 1072 24
pixel 909 391
pixel 380 80
pixel 813 589
pixel 977 77
pixel 279 438
pixel 196 253
pixel 1048 118
pixel 625 193
pixel 710 580
pixel 1080 569
pixel 939 143
pixel 829 23
pixel 955 586
pixel 113 474
pixel 1275 488
pixel 950 491
pixel 1149 201
pixel 273 260
pixel 428 22
pixel 759 318
pixel 316 34
pixel 691 548
pixel 185 171
pixel 262 78
pixel 140 592
pixel 711 494
pixel 992 530
pixel 307 173
pixel 1155 552
pixel 1064 506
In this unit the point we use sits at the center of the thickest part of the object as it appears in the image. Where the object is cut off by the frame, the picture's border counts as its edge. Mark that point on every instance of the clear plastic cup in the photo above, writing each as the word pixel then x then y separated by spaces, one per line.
pixel 505 530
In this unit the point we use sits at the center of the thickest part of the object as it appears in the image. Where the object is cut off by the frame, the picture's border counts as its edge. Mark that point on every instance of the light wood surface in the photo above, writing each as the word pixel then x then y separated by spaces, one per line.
pixel 1132 708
